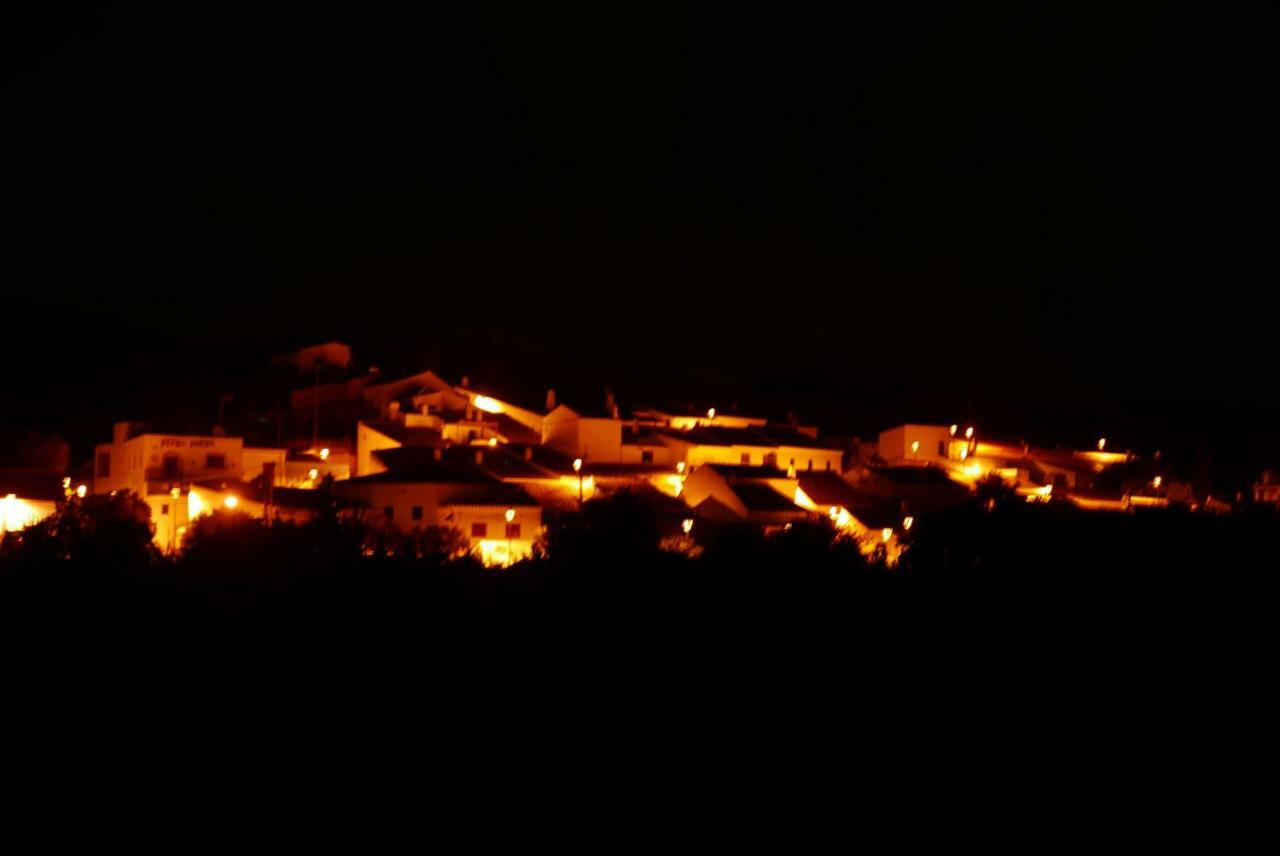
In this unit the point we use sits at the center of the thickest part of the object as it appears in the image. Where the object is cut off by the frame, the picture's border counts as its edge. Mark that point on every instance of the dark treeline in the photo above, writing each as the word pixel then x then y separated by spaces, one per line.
pixel 1039 641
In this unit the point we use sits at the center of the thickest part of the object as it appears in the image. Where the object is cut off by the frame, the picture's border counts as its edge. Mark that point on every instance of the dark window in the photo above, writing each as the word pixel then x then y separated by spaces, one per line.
pixel 479 530
pixel 746 458
pixel 216 462
pixel 172 467
pixel 513 530
pixel 771 459
pixel 104 465
pixel 646 457
pixel 811 463
pixel 164 509
pixel 388 511
pixel 416 513
pixel 828 467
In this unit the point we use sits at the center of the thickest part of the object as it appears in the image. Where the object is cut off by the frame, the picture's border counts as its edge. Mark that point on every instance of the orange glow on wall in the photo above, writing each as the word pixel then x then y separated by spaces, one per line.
pixel 487 404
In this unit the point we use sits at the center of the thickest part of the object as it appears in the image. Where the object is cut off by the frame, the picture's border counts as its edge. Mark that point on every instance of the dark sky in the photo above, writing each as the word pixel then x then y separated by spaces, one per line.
pixel 1027 204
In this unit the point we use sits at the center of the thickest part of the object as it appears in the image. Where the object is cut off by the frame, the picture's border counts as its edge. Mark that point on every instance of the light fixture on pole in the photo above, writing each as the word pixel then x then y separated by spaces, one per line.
pixel 510 515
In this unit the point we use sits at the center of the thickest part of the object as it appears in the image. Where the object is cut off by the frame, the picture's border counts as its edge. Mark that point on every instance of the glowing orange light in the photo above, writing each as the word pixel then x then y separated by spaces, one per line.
pixel 833 512
pixel 915 446
pixel 313 473
pixel 231 501
pixel 687 525
pixel 680 466
pixel 66 483
pixel 510 514
pixel 968 433
pixel 885 534
pixel 711 413
pixel 1102 443
pixel 1156 482
pixel 176 492
pixel 487 404
pixel 954 429
pixel 81 490
pixel 577 465
pixel 493 441
pixel 324 454
pixel 908 522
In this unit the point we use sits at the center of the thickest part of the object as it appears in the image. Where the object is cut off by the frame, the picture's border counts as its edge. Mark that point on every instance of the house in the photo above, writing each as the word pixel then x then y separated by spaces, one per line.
pixel 752 494
pixel 425 487
pixel 918 445
pixel 783 448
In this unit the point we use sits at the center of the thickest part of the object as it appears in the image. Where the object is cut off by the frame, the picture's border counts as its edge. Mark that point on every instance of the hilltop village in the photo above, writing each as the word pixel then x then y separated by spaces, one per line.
pixel 420 457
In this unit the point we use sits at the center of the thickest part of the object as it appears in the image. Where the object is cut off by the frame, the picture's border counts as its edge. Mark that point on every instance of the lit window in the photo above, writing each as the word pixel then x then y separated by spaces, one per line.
pixel 479 530
pixel 513 530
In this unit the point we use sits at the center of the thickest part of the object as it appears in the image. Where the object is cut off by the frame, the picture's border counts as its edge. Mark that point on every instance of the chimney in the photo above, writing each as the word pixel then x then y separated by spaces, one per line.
pixel 479 457
pixel 120 432
pixel 437 454
pixel 393 410
pixel 551 400
pixel 528 453
pixel 466 382
pixel 610 403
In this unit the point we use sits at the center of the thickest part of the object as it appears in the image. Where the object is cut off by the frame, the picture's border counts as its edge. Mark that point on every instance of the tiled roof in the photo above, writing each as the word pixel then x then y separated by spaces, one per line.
pixel 827 489
pixel 761 497
pixel 410 464
pixel 496 494
pixel 406 436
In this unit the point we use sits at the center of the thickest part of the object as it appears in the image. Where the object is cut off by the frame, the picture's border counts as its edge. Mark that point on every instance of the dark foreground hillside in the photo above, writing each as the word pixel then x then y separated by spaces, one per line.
pixel 1074 672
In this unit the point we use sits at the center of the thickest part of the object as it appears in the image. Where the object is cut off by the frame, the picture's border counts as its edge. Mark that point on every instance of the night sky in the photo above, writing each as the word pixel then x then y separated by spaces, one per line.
pixel 1052 217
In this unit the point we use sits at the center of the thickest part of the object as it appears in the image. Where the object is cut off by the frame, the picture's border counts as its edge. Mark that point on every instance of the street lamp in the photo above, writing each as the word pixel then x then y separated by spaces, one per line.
pixel 907 523
pixel 1102 443
pixel 510 514
pixel 81 490
pixel 687 525
pixel 231 501
pixel 175 493
pixel 577 468
pixel 711 414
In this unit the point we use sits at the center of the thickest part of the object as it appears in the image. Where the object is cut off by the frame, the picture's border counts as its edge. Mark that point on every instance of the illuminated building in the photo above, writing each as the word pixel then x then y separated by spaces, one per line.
pixel 426 487
pixel 923 444
pixel 1266 491
pixel 782 448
